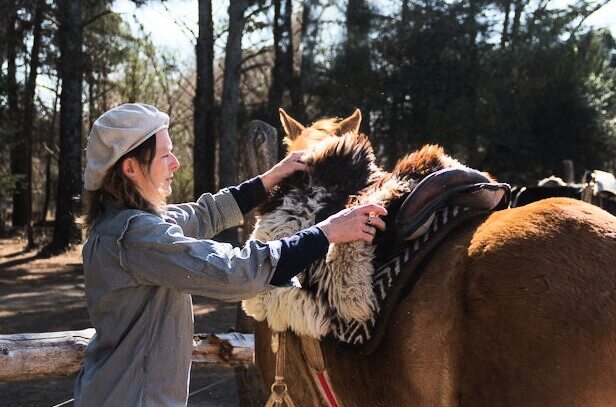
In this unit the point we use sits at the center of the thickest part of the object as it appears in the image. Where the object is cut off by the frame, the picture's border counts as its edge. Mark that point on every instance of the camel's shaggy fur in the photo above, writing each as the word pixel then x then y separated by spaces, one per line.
pixel 342 173
pixel 516 308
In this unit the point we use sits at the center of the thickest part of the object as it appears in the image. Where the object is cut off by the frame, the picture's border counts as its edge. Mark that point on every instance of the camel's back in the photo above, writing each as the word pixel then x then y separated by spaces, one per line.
pixel 514 309
pixel 519 310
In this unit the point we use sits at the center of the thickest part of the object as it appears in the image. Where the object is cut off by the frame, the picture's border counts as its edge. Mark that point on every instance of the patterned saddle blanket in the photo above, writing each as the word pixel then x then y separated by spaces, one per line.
pixel 395 276
pixel 349 296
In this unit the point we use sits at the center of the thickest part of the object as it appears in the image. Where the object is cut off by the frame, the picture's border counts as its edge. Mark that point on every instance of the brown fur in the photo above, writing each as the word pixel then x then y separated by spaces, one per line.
pixel 299 137
pixel 428 159
pixel 314 134
pixel 517 308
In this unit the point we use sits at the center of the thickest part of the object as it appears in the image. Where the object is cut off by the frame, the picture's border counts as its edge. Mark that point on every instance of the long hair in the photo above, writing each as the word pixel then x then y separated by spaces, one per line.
pixel 118 189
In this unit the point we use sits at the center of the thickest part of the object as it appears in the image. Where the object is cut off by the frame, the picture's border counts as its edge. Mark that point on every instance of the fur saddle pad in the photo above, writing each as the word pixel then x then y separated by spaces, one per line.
pixel 395 276
pixel 348 296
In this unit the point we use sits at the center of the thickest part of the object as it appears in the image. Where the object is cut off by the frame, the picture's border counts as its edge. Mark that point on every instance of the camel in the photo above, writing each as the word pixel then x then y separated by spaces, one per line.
pixel 516 307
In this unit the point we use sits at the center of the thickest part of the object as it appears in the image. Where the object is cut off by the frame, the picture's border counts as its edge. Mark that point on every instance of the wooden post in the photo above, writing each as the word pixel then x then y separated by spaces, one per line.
pixel 259 152
pixel 36 355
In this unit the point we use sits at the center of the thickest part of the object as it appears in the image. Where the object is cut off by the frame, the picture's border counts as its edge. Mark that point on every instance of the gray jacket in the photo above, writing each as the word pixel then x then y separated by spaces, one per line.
pixel 140 270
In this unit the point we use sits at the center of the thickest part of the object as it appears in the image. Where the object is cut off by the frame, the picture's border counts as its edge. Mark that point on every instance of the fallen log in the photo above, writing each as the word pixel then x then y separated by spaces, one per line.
pixel 36 355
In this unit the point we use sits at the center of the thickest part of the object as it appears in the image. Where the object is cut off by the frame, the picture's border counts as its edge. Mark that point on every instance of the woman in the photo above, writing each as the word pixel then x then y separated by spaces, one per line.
pixel 143 259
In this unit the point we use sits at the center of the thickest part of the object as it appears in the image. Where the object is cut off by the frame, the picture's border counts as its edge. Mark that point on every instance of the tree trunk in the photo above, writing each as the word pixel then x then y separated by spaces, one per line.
pixel 47 196
pixel 50 152
pixel 4 22
pixel 282 72
pixel 274 97
pixel 227 163
pixel 473 73
pixel 390 144
pixel 515 25
pixel 310 31
pixel 204 155
pixel 358 23
pixel 69 171
pixel 358 57
pixel 28 116
pixel 18 157
pixel 231 94
pixel 294 84
pixel 505 33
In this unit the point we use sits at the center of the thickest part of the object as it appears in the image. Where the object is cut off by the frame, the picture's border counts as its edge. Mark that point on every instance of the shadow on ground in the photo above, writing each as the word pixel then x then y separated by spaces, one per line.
pixel 47 294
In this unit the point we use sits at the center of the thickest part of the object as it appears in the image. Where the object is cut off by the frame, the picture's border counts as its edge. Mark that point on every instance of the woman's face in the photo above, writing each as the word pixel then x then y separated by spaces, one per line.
pixel 156 186
pixel 165 163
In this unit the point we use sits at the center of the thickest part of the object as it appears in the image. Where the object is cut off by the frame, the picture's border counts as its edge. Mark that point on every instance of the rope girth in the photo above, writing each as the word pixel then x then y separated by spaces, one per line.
pixel 279 391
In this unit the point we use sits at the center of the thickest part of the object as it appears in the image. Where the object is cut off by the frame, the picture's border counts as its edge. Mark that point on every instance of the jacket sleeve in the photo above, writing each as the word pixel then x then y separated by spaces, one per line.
pixel 157 252
pixel 207 217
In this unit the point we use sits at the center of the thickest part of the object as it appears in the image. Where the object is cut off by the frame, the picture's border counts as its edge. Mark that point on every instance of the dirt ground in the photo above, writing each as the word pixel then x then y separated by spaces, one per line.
pixel 46 295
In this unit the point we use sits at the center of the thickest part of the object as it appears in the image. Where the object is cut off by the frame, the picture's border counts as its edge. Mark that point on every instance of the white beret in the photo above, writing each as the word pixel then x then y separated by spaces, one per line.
pixel 115 133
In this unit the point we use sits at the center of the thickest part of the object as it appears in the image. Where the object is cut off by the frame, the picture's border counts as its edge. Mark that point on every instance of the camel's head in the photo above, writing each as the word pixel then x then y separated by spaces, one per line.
pixel 299 137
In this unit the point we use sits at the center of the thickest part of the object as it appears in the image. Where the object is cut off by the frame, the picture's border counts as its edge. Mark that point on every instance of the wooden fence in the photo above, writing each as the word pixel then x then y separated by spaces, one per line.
pixel 37 355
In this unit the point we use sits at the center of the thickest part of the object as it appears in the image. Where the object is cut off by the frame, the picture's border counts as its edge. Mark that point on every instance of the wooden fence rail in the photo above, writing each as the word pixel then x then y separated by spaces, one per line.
pixel 36 355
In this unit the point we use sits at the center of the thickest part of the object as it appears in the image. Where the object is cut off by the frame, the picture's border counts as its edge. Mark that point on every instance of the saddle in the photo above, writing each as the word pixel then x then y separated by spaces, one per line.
pixel 454 186
pixel 441 202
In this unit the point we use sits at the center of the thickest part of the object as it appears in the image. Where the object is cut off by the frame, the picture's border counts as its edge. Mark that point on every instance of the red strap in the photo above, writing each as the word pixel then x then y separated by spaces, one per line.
pixel 326 389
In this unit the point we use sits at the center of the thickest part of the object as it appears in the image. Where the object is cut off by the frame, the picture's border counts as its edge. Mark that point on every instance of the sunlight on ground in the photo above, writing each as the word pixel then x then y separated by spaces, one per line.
pixel 48 295
pixel 202 309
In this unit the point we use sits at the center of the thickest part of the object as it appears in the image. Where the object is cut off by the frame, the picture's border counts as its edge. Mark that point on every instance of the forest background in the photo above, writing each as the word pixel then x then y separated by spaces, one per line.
pixel 513 87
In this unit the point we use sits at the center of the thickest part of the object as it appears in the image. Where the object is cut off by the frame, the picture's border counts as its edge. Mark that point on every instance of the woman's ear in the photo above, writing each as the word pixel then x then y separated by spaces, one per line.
pixel 130 168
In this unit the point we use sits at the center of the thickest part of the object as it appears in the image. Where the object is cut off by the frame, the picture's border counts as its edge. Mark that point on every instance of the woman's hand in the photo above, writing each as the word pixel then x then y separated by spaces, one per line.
pixel 352 224
pixel 283 169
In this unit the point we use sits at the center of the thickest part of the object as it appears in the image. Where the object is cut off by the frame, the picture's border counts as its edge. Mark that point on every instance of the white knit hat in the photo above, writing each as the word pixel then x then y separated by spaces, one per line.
pixel 115 133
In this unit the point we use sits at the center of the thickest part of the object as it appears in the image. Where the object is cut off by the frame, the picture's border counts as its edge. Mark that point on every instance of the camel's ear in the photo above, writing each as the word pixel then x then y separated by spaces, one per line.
pixel 291 126
pixel 351 123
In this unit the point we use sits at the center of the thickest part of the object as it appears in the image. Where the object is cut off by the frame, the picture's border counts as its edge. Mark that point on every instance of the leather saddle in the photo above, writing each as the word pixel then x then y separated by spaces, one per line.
pixel 439 204
pixel 450 186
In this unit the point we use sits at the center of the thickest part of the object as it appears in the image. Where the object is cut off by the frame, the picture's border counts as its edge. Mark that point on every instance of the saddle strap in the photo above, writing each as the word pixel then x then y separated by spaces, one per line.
pixel 279 399
pixel 279 392
pixel 311 349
